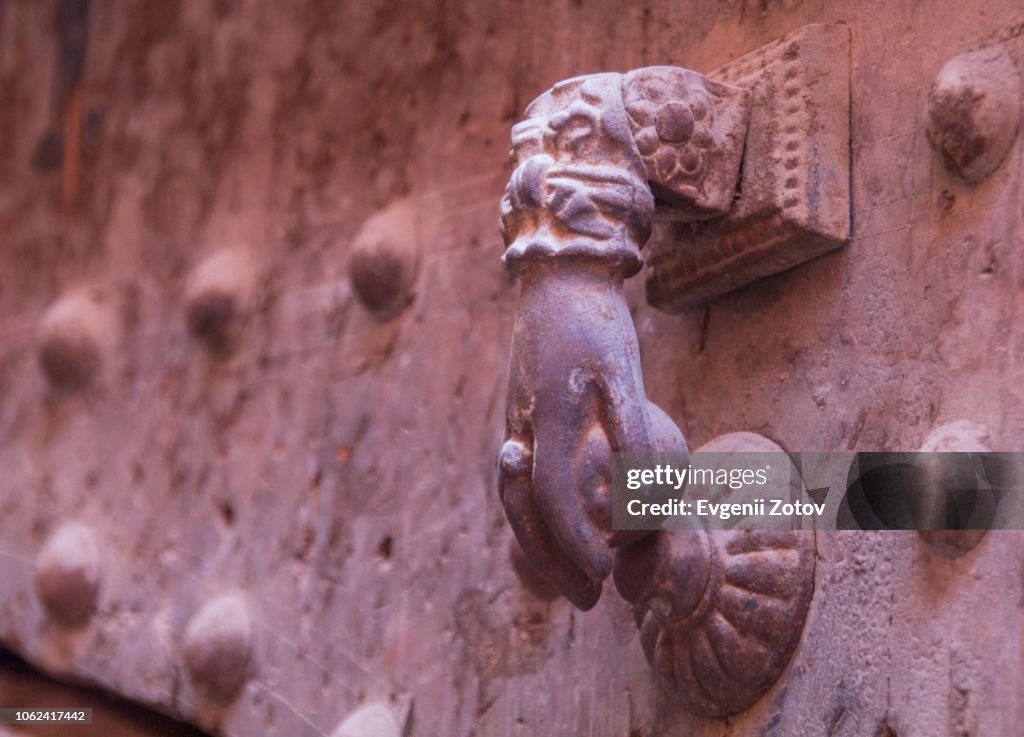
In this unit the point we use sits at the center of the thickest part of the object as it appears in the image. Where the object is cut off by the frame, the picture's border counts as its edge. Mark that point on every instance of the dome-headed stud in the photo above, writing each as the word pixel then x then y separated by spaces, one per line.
pixel 218 300
pixel 974 109
pixel 953 472
pixel 218 648
pixel 68 575
pixel 73 337
pixel 382 265
pixel 372 720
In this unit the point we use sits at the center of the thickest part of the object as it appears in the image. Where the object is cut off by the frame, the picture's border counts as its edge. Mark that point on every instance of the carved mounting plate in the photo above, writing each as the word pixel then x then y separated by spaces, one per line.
pixel 794 195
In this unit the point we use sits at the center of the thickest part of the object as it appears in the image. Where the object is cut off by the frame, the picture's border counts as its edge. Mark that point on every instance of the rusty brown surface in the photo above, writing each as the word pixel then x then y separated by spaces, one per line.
pixel 359 455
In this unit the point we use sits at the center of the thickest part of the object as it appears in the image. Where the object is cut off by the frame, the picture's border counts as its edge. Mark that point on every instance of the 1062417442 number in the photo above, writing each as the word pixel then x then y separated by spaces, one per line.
pixel 45 716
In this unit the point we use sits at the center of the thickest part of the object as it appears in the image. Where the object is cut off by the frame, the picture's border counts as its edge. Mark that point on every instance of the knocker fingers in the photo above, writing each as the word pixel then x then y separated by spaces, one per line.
pixel 516 487
pixel 573 466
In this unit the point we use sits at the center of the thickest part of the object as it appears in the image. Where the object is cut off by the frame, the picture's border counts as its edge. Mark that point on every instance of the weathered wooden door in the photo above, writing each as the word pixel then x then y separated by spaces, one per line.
pixel 254 339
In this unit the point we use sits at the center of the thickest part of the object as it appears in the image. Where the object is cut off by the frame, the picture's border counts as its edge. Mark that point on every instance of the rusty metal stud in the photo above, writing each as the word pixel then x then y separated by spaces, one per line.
pixel 67 575
pixel 383 262
pixel 371 720
pixel 218 299
pixel 218 648
pixel 720 612
pixel 961 436
pixel 974 110
pixel 74 335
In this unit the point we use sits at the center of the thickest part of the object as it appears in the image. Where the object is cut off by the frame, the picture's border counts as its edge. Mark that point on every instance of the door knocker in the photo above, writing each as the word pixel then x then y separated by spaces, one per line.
pixel 596 157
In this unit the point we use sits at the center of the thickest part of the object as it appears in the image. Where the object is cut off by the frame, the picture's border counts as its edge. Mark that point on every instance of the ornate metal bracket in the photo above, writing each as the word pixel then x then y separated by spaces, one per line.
pixel 593 155
pixel 793 202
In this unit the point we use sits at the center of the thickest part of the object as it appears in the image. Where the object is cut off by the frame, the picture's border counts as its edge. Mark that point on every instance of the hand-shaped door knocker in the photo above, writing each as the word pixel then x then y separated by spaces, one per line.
pixel 575 215
pixel 591 155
